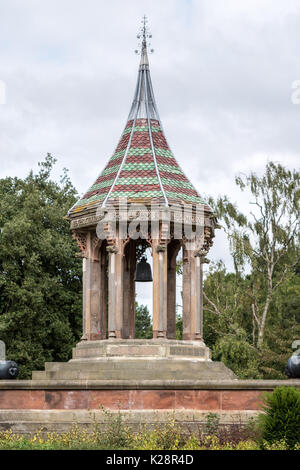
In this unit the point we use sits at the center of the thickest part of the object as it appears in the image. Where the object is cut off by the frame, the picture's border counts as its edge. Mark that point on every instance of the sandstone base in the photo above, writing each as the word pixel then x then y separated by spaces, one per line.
pixel 148 381
pixel 137 360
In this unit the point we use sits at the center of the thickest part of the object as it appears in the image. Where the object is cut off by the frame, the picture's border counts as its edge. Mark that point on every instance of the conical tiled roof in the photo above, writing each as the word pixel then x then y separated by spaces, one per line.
pixel 142 168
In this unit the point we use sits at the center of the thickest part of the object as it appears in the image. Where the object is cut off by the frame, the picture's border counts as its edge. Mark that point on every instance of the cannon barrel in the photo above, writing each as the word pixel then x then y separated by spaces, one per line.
pixel 292 369
pixel 8 370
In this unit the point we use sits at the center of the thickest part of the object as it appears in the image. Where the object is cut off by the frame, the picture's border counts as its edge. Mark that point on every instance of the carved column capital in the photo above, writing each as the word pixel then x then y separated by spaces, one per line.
pixel 201 253
pixel 95 245
pixel 81 240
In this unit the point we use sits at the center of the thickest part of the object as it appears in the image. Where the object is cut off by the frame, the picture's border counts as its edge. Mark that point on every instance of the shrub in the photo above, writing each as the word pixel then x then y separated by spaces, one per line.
pixel 163 436
pixel 212 423
pixel 115 434
pixel 280 419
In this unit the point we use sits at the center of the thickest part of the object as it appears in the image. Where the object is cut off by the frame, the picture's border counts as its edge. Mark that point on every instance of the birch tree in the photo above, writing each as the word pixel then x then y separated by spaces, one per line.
pixel 265 242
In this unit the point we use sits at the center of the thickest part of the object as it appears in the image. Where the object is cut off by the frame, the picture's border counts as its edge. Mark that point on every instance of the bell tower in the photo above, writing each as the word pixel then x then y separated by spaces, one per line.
pixel 141 199
pixel 142 175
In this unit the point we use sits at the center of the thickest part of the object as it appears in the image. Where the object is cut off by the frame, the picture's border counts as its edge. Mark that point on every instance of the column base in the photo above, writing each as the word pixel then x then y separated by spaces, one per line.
pixel 171 336
pixel 116 334
pixel 191 337
pixel 198 337
pixel 95 337
pixel 159 334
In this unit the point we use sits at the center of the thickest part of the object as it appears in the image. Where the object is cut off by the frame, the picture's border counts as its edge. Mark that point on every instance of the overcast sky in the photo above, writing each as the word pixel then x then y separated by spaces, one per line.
pixel 222 73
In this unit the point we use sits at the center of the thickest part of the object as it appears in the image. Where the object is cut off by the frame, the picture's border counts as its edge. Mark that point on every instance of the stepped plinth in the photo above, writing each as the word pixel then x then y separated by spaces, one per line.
pixel 137 360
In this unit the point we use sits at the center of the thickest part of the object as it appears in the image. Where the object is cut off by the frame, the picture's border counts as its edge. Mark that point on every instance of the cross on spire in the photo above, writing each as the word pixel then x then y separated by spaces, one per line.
pixel 144 28
pixel 144 34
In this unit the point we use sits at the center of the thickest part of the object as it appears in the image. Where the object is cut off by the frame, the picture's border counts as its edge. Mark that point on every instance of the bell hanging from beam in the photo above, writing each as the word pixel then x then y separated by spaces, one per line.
pixel 143 271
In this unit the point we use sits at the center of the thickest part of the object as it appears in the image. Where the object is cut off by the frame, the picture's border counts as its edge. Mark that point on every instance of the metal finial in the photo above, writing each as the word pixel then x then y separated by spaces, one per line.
pixel 144 35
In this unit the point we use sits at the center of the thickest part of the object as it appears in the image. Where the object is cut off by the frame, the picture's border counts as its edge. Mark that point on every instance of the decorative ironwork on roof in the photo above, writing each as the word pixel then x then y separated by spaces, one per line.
pixel 142 166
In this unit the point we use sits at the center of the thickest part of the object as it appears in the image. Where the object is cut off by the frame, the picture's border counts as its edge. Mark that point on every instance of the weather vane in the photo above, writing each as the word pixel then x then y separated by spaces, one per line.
pixel 144 35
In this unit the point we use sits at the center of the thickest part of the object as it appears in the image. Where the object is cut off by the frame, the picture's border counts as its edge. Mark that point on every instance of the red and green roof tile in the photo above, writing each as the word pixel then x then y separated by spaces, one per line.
pixel 142 166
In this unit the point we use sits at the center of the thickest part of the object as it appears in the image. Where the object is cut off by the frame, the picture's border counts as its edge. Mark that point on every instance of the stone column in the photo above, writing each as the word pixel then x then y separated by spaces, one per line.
pixel 171 314
pixel 192 296
pixel 203 260
pixel 115 290
pixel 111 292
pixel 131 295
pixel 129 292
pixel 186 296
pixel 159 253
pixel 198 297
pixel 201 298
pixel 92 305
pixel 173 249
pixel 103 291
pixel 84 282
pixel 126 300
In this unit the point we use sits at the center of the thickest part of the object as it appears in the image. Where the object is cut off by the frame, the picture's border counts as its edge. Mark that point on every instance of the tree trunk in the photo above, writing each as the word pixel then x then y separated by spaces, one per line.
pixel 261 328
pixel 253 325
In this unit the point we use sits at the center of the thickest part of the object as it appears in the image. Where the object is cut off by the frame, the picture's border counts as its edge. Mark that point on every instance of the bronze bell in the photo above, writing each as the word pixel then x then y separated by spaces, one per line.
pixel 143 271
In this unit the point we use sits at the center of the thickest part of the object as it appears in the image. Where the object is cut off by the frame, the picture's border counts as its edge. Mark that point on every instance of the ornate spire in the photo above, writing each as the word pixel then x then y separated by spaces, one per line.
pixel 144 35
pixel 142 167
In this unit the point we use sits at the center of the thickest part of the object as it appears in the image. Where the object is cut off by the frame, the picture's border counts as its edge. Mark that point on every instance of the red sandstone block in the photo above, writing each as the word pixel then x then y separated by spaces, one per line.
pixel 152 399
pixel 112 399
pixel 241 399
pixel 22 399
pixel 198 399
pixel 66 399
pixel 132 399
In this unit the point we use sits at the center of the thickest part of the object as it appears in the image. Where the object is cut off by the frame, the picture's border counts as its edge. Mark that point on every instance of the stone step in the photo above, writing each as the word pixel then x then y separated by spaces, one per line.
pixel 164 370
pixel 39 375
pixel 109 363
pixel 139 348
pixel 119 351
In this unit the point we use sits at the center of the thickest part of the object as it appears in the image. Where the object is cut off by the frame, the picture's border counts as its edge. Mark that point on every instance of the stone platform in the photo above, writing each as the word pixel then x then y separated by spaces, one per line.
pixel 137 360
pixel 148 381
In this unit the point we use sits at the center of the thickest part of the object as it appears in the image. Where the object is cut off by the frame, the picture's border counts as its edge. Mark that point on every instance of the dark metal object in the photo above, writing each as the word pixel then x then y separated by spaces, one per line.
pixel 292 369
pixel 143 271
pixel 8 370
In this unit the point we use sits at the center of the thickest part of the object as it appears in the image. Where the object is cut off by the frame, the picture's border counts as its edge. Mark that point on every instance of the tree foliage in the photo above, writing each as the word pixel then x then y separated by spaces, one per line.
pixel 40 283
pixel 143 323
pixel 267 241
pixel 259 302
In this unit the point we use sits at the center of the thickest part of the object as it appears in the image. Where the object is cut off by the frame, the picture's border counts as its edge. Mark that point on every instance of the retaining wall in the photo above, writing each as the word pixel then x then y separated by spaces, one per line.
pixel 26 406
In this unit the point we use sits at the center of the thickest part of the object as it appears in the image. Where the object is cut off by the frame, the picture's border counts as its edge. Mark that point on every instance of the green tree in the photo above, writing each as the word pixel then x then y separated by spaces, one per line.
pixel 225 304
pixel 227 330
pixel 40 283
pixel 179 326
pixel 283 327
pixel 266 242
pixel 143 323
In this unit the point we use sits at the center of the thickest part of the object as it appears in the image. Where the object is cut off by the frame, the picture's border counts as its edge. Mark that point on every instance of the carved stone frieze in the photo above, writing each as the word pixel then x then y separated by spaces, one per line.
pixel 81 240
